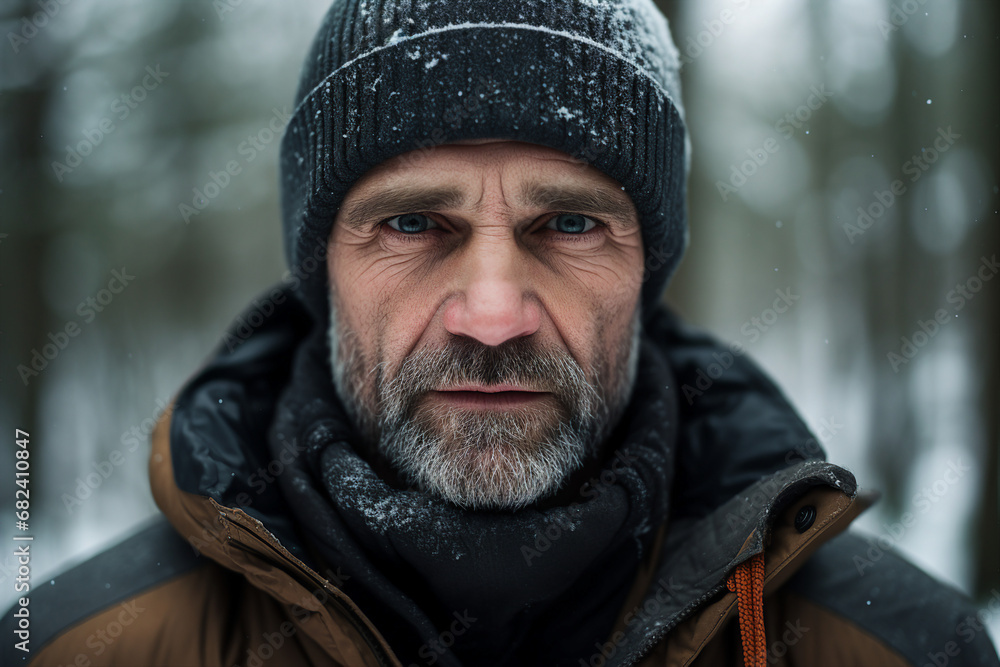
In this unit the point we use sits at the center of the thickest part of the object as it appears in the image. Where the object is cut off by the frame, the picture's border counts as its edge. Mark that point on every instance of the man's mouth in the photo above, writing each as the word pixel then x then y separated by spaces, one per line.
pixel 489 397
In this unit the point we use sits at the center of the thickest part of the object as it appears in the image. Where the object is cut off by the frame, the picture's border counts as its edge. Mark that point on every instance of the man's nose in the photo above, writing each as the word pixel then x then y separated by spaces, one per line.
pixel 495 301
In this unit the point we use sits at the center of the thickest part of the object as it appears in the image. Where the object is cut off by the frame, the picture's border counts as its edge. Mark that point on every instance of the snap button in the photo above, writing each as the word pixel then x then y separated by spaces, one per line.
pixel 804 519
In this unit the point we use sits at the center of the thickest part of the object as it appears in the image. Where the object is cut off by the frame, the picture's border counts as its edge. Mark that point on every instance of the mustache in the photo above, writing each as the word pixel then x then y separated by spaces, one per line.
pixel 464 360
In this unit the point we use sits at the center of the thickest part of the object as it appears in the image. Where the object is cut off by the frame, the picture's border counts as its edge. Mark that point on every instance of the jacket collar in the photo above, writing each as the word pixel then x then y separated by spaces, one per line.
pixel 785 517
pixel 209 475
pixel 240 542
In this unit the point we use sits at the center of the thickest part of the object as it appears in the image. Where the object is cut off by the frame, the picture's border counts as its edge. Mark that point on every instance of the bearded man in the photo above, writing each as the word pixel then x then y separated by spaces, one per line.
pixel 455 435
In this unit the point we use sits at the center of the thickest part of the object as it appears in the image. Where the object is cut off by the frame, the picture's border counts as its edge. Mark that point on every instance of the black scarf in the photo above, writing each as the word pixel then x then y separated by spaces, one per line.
pixel 448 586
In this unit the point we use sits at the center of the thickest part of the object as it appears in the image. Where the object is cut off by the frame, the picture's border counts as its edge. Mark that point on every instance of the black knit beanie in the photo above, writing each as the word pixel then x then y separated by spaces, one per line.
pixel 597 79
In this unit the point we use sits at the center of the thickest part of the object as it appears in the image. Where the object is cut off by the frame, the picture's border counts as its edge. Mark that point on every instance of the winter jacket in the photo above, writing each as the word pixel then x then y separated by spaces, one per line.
pixel 754 563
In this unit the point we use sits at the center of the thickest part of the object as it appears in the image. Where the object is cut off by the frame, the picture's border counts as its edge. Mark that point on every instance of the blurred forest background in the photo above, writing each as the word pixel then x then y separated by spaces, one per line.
pixel 836 99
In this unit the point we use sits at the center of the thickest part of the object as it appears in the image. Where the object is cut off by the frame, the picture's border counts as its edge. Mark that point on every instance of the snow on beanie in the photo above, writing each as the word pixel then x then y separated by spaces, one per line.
pixel 597 79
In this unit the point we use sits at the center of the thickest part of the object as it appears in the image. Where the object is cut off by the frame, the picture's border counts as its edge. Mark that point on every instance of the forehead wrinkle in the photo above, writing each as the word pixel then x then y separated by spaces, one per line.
pixel 482 205
pixel 478 204
pixel 503 195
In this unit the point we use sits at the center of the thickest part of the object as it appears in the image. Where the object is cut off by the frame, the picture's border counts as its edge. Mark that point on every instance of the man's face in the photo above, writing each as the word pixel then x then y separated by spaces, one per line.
pixel 485 317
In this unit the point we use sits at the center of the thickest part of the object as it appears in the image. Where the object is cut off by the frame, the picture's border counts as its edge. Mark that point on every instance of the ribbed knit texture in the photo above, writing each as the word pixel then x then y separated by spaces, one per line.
pixel 597 79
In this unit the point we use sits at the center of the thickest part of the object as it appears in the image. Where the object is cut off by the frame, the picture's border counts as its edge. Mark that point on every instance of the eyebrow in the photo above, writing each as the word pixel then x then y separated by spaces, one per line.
pixel 588 199
pixel 399 200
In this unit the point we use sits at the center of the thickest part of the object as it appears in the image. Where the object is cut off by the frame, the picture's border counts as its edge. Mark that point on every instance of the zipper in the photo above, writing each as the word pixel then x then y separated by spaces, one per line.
pixel 663 630
pixel 304 577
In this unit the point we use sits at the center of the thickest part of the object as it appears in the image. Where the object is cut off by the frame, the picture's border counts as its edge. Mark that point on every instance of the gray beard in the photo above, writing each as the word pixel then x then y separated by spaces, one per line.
pixel 486 459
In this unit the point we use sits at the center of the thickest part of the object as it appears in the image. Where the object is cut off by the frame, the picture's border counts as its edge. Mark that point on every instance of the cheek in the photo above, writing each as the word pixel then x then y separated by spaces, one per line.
pixel 605 281
pixel 360 265
pixel 605 276
pixel 389 300
pixel 593 301
pixel 614 335
pixel 375 286
pixel 597 333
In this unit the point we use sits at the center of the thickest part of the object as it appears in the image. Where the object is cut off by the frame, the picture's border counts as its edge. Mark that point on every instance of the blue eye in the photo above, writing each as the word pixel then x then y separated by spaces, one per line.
pixel 411 223
pixel 571 223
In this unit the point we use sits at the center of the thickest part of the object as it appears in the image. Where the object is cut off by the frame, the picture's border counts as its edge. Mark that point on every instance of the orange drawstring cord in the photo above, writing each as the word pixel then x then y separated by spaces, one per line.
pixel 747 581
